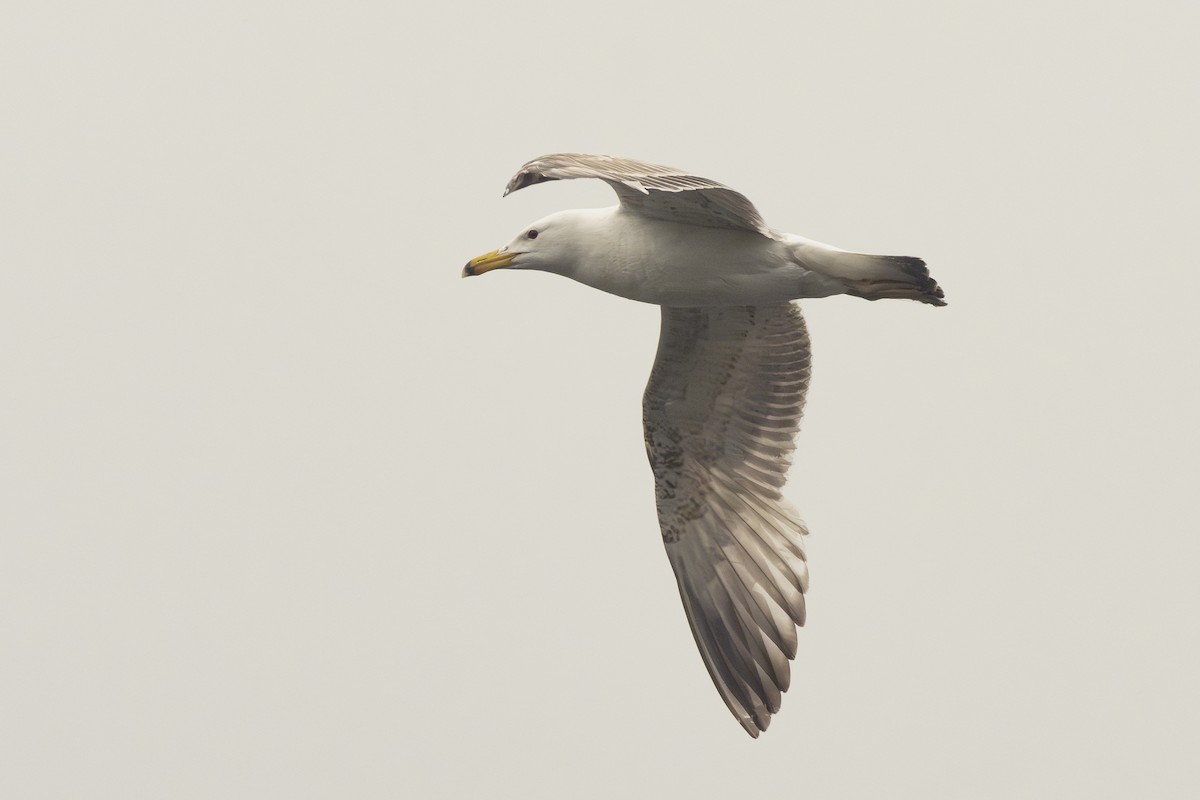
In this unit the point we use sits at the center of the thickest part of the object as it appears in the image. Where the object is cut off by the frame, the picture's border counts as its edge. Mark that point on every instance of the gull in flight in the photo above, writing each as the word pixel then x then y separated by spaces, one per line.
pixel 723 404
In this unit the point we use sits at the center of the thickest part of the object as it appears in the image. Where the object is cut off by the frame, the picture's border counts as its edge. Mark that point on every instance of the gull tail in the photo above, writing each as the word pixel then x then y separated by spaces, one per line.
pixel 870 277
pixel 886 277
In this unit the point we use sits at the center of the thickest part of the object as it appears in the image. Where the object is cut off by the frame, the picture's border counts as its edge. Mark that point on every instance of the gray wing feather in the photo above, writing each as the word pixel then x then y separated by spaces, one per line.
pixel 721 411
pixel 650 189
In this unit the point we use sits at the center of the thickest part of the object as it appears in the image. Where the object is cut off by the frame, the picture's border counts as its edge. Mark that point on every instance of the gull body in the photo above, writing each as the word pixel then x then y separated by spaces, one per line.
pixel 723 404
pixel 673 264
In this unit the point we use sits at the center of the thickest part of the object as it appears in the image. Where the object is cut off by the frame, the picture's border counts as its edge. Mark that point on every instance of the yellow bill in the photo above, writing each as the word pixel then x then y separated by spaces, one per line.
pixel 487 262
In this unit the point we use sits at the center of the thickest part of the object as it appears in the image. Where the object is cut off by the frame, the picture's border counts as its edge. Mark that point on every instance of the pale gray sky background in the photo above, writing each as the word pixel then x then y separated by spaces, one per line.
pixel 287 509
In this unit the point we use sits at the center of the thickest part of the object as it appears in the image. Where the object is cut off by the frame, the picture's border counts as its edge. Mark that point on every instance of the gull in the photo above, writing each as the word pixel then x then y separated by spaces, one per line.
pixel 722 407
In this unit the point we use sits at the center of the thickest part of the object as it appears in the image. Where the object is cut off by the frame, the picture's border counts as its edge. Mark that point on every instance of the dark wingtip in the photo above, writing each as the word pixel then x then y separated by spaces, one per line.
pixel 522 179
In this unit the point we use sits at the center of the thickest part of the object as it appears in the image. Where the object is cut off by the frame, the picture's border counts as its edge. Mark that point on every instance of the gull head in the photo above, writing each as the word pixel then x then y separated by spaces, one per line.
pixel 549 245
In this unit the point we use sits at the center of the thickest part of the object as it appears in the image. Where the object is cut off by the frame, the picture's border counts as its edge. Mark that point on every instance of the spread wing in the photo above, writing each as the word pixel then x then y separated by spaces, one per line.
pixel 720 412
pixel 650 190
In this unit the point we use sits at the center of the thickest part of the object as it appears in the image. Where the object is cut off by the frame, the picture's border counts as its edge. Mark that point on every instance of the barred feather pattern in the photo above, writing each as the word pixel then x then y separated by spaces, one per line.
pixel 651 190
pixel 721 412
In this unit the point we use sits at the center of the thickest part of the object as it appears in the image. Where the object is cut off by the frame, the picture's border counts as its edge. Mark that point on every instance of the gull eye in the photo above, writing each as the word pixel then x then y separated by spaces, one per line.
pixel 531 235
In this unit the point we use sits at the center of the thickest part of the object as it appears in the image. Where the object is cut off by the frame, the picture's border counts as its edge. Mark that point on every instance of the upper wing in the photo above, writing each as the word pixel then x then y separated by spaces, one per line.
pixel 721 411
pixel 650 190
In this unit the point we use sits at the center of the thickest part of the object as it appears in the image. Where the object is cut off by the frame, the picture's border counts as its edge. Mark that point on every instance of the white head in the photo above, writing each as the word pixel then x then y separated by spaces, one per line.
pixel 551 245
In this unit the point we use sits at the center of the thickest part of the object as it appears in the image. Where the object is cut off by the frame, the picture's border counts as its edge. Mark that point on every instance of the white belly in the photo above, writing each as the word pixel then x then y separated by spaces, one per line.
pixel 666 263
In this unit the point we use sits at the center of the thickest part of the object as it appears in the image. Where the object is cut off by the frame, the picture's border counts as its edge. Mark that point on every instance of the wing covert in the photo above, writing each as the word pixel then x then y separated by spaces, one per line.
pixel 650 189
